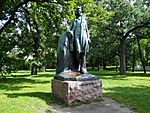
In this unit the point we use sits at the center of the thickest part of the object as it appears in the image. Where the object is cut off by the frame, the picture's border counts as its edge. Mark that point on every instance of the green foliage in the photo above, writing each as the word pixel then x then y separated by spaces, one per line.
pixel 107 37
pixel 35 27
pixel 44 19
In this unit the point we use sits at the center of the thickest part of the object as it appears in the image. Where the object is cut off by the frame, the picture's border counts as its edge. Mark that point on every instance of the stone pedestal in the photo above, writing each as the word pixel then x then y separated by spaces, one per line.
pixel 75 92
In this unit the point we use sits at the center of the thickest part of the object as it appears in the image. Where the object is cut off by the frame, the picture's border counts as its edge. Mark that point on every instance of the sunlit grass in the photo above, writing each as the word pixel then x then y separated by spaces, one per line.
pixel 27 93
pixel 132 89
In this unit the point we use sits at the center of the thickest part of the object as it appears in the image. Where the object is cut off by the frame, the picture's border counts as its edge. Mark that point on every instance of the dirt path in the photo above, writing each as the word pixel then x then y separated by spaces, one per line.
pixel 105 106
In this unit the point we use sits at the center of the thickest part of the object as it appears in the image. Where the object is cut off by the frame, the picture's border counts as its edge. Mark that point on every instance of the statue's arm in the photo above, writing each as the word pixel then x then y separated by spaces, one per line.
pixel 71 28
pixel 88 35
pixel 70 31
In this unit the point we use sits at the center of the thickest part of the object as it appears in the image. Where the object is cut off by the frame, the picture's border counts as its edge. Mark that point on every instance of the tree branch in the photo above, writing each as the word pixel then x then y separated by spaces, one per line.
pixel 146 24
pixel 16 8
pixel 13 13
pixel 2 3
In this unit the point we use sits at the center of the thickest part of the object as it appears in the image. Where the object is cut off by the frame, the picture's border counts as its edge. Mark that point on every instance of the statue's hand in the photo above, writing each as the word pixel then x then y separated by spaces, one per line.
pixel 70 33
pixel 89 40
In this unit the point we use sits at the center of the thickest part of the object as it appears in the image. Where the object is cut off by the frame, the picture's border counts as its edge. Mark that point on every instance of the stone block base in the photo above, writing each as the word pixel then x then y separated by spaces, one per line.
pixel 75 92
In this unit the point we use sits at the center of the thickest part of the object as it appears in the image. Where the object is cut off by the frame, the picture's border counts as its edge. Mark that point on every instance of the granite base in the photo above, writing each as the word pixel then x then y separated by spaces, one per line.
pixel 76 92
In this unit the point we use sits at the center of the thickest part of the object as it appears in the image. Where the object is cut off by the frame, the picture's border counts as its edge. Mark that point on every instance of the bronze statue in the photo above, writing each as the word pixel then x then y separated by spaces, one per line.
pixel 72 48
pixel 79 41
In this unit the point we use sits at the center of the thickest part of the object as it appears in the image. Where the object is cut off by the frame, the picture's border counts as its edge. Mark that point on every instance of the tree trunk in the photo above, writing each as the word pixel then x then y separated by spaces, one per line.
pixel 92 64
pixel 45 68
pixel 34 69
pixel 133 61
pixel 122 58
pixel 126 60
pixel 98 67
pixel 122 46
pixel 104 65
pixel 36 43
pixel 141 57
pixel 35 54
pixel 2 3
pixel 116 67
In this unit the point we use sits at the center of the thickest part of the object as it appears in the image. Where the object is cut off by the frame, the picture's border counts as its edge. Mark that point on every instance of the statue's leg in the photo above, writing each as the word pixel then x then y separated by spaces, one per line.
pixel 71 61
pixel 83 63
pixel 76 61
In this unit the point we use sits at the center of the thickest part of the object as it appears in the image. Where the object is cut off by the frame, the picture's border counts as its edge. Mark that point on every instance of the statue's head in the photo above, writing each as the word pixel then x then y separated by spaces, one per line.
pixel 78 11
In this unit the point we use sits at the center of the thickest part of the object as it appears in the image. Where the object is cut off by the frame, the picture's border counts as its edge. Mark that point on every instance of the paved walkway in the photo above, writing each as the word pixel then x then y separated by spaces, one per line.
pixel 105 106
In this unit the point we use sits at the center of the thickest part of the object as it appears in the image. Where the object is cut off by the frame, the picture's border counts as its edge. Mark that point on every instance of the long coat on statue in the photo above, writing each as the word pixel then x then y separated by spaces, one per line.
pixel 80 35
pixel 76 39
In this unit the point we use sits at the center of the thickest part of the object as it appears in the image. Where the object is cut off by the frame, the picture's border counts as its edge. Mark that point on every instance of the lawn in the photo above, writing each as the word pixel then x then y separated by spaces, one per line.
pixel 133 89
pixel 25 93
pixel 32 94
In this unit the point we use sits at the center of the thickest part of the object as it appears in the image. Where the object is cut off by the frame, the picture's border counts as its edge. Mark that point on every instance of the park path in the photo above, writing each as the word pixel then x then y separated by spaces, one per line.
pixel 104 106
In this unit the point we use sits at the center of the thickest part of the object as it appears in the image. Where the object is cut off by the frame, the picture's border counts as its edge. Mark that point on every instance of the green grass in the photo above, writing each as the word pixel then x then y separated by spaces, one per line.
pixel 32 94
pixel 26 93
pixel 133 89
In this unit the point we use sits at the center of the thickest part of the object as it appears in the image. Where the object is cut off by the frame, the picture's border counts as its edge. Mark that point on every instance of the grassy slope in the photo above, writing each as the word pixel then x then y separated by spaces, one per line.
pixel 32 94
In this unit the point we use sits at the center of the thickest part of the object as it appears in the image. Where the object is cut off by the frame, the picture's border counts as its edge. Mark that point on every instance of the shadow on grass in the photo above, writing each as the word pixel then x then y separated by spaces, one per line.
pixel 29 71
pixel 13 83
pixel 21 75
pixel 138 97
pixel 23 71
pixel 12 88
pixel 48 97
pixel 116 75
pixel 138 74
pixel 38 75
pixel 108 75
pixel 43 75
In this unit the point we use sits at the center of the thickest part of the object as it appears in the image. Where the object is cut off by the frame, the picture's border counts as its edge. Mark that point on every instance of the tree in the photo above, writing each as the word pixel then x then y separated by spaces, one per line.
pixel 36 25
pixel 22 15
pixel 128 17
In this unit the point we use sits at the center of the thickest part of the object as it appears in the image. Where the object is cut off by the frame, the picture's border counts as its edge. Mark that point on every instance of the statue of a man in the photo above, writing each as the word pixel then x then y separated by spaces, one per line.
pixel 79 41
pixel 71 52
